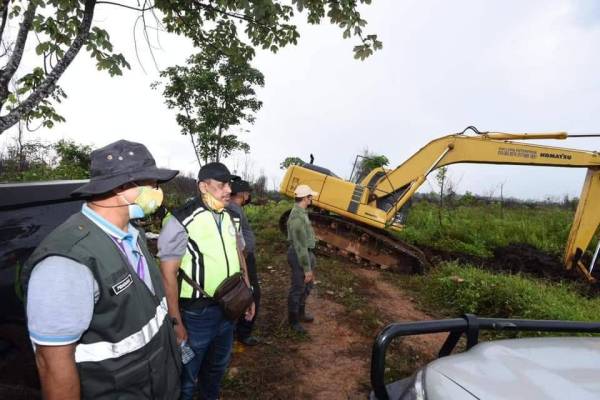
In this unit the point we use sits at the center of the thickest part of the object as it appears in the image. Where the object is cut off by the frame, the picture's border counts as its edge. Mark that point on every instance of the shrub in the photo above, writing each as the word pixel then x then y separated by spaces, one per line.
pixel 455 289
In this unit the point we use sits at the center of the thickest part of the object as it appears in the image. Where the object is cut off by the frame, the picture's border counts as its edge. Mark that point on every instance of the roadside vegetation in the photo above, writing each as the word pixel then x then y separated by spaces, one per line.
pixel 476 228
pixel 453 289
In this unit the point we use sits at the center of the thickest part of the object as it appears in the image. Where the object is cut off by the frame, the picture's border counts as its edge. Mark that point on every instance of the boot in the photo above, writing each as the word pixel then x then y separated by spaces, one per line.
pixel 295 323
pixel 303 316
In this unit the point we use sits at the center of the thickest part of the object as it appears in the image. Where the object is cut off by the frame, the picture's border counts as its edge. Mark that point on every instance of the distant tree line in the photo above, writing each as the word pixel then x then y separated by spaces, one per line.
pixel 41 161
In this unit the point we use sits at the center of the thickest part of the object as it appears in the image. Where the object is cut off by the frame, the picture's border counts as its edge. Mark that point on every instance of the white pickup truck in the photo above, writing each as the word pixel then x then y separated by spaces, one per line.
pixel 540 368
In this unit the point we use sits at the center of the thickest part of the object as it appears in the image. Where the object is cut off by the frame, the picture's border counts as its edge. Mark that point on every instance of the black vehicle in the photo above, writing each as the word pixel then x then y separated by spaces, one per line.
pixel 28 212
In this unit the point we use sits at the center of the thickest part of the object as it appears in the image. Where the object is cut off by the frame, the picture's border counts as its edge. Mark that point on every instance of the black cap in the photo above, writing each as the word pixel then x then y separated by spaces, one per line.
pixel 240 186
pixel 119 163
pixel 216 171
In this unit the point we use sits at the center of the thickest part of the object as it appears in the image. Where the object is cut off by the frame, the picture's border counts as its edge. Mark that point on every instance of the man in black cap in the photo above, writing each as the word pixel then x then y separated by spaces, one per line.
pixel 241 196
pixel 96 307
pixel 200 245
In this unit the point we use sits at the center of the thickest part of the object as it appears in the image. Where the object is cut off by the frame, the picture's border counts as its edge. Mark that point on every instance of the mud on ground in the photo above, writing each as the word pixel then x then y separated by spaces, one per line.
pixel 517 258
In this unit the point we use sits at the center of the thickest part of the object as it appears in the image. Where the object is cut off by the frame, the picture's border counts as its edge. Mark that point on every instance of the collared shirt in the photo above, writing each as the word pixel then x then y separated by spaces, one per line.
pixel 62 293
pixel 301 235
pixel 127 241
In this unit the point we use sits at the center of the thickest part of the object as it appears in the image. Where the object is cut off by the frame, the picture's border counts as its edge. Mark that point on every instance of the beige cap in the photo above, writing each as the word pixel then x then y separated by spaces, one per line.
pixel 304 190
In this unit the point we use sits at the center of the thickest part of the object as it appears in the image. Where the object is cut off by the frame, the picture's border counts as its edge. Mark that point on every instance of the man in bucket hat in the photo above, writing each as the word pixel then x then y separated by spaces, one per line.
pixel 199 247
pixel 300 257
pixel 96 307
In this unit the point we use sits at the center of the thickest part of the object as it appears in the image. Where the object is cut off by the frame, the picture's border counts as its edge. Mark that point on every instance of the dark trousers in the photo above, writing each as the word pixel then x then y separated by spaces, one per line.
pixel 299 291
pixel 244 328
pixel 210 335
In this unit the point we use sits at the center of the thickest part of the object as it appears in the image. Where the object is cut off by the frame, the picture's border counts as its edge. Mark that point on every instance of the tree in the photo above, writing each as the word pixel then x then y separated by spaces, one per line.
pixel 74 160
pixel 441 177
pixel 63 27
pixel 213 93
pixel 289 161
pixel 38 161
pixel 368 162
pixel 259 189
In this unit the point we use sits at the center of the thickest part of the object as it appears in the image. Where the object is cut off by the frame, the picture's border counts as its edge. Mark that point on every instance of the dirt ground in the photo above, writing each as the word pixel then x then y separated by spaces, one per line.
pixel 516 258
pixel 351 305
pixel 333 360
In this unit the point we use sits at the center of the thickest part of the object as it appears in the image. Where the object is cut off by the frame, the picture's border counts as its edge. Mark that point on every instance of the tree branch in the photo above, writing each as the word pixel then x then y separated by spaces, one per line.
pixel 46 88
pixel 126 6
pixel 8 71
pixel 227 13
pixel 4 17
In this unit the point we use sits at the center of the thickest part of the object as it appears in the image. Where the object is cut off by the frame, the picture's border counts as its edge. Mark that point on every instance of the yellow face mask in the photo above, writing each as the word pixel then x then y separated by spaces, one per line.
pixel 150 199
pixel 212 202
pixel 146 202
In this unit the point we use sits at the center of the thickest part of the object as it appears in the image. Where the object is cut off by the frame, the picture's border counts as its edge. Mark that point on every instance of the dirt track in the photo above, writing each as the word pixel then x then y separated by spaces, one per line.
pixel 333 361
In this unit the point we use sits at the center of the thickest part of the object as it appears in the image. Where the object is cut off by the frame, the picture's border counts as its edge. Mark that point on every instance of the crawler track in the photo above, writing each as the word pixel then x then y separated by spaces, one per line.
pixel 362 244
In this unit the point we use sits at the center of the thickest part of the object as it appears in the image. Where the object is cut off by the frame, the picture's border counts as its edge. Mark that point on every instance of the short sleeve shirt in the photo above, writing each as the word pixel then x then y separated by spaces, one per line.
pixel 61 292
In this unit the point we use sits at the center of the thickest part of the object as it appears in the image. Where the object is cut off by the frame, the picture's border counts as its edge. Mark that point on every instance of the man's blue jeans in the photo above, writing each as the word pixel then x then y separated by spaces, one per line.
pixel 210 335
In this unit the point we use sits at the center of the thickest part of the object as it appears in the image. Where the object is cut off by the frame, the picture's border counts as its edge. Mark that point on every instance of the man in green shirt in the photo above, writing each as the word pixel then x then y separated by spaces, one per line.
pixel 300 257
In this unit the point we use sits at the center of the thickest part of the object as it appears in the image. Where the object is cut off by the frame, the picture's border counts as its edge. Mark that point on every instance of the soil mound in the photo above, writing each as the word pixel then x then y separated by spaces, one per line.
pixel 524 258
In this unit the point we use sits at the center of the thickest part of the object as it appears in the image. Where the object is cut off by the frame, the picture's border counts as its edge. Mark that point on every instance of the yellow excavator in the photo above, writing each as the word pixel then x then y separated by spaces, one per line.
pixel 356 218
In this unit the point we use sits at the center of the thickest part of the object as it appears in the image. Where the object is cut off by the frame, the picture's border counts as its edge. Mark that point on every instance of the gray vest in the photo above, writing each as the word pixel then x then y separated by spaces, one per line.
pixel 129 350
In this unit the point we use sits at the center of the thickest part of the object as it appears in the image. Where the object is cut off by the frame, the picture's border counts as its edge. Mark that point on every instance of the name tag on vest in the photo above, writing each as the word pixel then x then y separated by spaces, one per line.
pixel 119 287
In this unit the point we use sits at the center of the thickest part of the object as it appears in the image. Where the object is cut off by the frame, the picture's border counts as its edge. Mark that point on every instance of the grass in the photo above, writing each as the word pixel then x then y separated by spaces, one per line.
pixel 479 229
pixel 453 289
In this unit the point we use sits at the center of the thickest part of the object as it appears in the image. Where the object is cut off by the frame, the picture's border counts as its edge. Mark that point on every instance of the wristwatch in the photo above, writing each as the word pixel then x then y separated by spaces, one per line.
pixel 174 321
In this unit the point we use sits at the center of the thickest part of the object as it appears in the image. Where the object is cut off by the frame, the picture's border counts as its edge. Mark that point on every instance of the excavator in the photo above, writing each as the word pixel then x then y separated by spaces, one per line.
pixel 358 218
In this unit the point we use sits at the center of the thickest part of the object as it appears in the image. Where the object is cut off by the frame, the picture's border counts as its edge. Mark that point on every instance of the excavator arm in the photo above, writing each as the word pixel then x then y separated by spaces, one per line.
pixel 377 199
pixel 483 149
pixel 585 224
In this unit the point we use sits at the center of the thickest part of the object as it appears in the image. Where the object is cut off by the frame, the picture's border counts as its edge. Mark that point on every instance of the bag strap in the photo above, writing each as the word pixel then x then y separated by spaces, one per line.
pixel 182 274
pixel 193 284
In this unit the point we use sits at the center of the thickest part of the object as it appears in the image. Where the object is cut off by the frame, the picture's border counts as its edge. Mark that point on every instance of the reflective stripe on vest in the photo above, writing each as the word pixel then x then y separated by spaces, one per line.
pixel 100 351
pixel 211 254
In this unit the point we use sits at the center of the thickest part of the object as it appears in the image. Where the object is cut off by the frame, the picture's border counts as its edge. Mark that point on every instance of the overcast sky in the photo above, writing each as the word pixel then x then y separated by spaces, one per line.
pixel 499 65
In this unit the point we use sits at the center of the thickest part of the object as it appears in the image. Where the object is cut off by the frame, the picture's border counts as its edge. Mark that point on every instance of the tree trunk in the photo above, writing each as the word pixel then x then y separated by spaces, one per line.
pixel 218 158
pixel 49 84
pixel 441 203
pixel 195 150
pixel 4 11
pixel 502 201
pixel 8 71
pixel 20 153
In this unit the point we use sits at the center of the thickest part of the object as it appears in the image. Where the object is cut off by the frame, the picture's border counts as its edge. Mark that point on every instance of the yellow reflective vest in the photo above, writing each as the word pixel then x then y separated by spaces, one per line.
pixel 212 253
